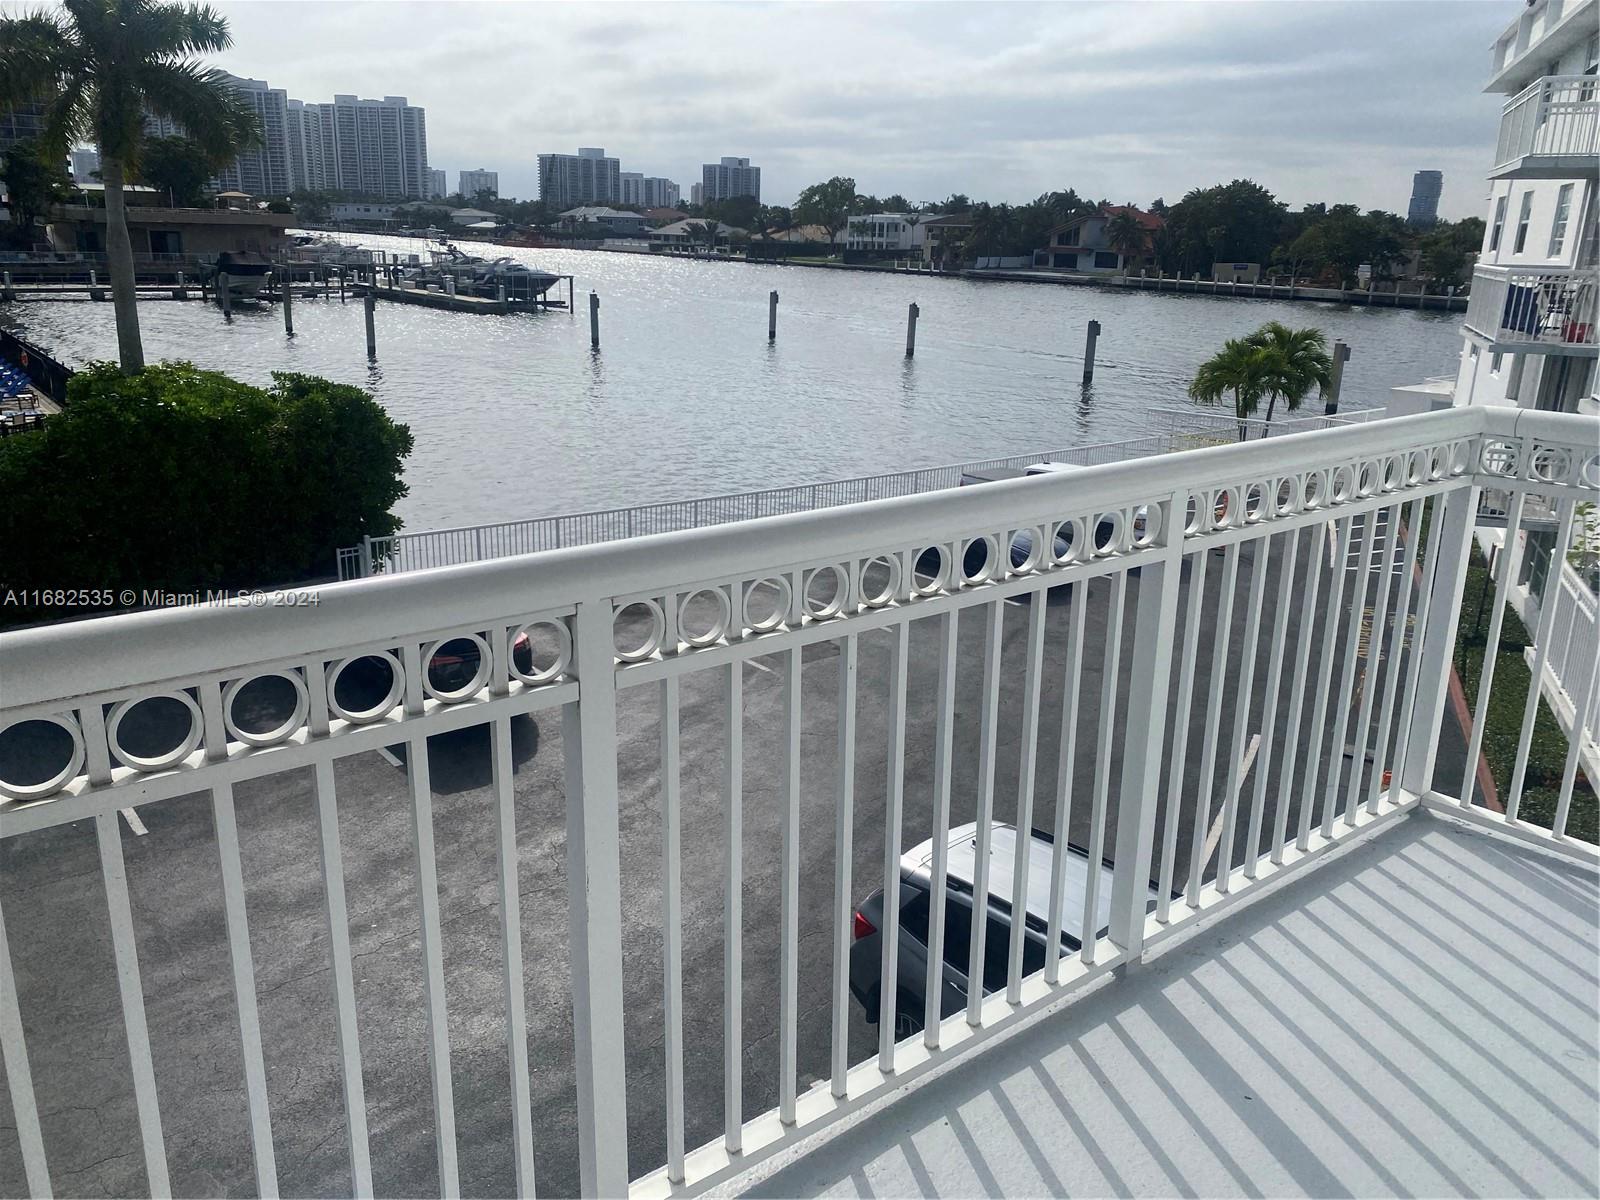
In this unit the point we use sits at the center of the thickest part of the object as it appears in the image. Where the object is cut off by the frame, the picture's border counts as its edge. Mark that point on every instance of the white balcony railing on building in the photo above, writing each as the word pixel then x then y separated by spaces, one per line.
pixel 1569 679
pixel 1185 429
pixel 1354 641
pixel 1557 117
pixel 1523 309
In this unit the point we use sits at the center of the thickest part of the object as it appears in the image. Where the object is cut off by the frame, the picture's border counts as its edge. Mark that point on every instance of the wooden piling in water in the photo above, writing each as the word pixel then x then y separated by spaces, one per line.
pixel 369 301
pixel 286 285
pixel 594 320
pixel 911 330
pixel 1088 351
pixel 225 296
pixel 772 317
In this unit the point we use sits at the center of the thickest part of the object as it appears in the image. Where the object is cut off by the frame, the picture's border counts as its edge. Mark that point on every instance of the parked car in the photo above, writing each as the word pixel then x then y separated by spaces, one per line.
pixel 916 884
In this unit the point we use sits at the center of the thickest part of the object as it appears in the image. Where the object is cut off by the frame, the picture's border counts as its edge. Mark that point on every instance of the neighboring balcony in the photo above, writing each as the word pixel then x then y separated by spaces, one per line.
pixel 1533 311
pixel 1548 130
pixel 555 874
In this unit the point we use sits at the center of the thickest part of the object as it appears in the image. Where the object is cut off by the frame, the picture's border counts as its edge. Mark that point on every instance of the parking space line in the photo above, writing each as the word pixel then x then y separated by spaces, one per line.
pixel 134 823
pixel 1215 835
pixel 761 666
pixel 391 759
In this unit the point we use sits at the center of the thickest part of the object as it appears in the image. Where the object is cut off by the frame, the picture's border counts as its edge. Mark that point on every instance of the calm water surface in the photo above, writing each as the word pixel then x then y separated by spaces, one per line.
pixel 514 416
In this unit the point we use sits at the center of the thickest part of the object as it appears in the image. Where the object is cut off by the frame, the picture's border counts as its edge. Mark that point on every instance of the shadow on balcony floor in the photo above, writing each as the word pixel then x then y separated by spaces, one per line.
pixel 1418 1018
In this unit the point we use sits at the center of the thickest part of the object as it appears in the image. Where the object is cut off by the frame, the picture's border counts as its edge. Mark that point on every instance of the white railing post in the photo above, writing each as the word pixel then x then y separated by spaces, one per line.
pixel 1444 579
pixel 366 555
pixel 589 735
pixel 1154 630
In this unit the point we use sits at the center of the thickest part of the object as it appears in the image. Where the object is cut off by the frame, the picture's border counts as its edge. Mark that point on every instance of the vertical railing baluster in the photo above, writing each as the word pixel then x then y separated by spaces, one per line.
pixel 733 911
pixel 789 935
pixel 126 952
pixel 1269 711
pixel 1397 641
pixel 1419 626
pixel 1541 652
pixel 1155 629
pixel 672 922
pixel 1575 738
pixel 1297 694
pixel 344 990
pixel 944 730
pixel 19 1077
pixel 1444 579
pixel 988 737
pixel 1327 661
pixel 1038 602
pixel 1347 677
pixel 244 988
pixel 506 858
pixel 1244 689
pixel 894 796
pixel 843 840
pixel 589 740
pixel 1066 768
pixel 1102 765
pixel 444 1106
pixel 1222 632
pixel 1362 735
pixel 1177 784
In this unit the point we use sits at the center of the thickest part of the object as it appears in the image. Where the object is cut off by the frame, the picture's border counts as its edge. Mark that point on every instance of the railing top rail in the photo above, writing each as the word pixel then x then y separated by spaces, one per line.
pixel 1540 85
pixel 136 650
pixel 1221 421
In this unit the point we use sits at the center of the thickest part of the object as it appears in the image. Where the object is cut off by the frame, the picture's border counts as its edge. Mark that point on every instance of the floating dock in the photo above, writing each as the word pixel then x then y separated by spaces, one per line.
pixel 457 302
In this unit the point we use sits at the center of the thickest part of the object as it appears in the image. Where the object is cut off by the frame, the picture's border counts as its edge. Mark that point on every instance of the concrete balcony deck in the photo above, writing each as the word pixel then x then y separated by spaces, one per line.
pixel 1417 1018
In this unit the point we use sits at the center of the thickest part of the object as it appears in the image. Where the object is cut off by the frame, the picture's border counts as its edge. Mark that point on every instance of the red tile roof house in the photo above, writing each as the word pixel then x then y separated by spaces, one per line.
pixel 1082 244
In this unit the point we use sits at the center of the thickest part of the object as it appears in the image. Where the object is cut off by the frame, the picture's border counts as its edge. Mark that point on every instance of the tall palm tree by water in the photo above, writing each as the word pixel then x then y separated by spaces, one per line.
pixel 1127 236
pixel 1240 371
pixel 100 67
pixel 1302 363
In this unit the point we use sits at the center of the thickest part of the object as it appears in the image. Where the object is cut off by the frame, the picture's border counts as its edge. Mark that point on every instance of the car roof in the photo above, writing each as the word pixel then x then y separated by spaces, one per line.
pixel 962 862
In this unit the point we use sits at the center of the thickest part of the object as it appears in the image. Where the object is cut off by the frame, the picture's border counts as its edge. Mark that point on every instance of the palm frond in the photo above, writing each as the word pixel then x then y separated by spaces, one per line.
pixel 174 31
pixel 203 102
pixel 35 54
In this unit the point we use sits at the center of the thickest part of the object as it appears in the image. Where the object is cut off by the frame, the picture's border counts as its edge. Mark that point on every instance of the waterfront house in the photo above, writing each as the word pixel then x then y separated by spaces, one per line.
pixel 154 229
pixel 682 235
pixel 942 237
pixel 471 216
pixel 1083 244
pixel 664 216
pixel 347 212
pixel 896 232
pixel 617 222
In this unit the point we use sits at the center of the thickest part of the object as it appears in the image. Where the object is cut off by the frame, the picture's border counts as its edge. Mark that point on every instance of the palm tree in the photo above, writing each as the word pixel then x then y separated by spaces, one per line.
pixel 98 67
pixel 1241 370
pixel 1126 236
pixel 1301 363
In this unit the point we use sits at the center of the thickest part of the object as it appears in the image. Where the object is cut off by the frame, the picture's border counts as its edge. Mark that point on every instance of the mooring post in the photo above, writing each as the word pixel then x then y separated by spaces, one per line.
pixel 341 285
pixel 1341 355
pixel 1088 351
pixel 7 294
pixel 500 294
pixel 225 295
pixel 594 319
pixel 94 278
pixel 772 315
pixel 911 330
pixel 287 286
pixel 370 302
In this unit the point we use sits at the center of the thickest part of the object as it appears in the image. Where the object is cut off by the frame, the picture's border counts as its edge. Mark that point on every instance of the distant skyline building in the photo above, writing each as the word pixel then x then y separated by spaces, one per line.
pixel 587 177
pixel 729 178
pixel 632 185
pixel 1426 187
pixel 19 124
pixel 659 193
pixel 697 194
pixel 438 189
pixel 85 163
pixel 265 170
pixel 470 183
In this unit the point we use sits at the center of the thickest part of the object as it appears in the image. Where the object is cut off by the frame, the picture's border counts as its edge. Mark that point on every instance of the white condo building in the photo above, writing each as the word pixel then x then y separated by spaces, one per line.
pixel 587 177
pixel 438 188
pixel 266 170
pixel 1530 326
pixel 354 145
pixel 470 183
pixel 729 178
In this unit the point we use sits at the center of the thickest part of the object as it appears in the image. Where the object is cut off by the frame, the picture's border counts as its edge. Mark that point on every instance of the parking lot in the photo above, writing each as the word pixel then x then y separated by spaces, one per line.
pixel 56 913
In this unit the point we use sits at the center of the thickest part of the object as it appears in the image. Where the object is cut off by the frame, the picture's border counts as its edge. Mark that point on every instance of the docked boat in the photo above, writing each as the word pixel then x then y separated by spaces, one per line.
pixel 328 253
pixel 246 271
pixel 475 276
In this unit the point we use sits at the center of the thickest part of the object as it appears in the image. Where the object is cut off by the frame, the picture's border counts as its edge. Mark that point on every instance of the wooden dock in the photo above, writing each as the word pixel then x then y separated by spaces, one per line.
pixel 457 302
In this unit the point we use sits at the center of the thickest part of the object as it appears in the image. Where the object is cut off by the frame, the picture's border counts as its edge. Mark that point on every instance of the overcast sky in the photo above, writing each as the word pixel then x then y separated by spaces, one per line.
pixel 1317 100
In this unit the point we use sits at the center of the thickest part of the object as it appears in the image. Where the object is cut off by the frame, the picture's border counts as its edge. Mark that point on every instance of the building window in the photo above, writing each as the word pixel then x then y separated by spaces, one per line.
pixel 1499 224
pixel 1105 260
pixel 1494 362
pixel 1558 231
pixel 1522 222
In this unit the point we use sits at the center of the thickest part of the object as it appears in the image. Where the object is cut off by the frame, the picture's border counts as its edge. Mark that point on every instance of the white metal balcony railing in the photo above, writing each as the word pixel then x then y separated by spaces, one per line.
pixel 1574 658
pixel 638 666
pixel 1532 310
pixel 1556 119
pixel 1185 429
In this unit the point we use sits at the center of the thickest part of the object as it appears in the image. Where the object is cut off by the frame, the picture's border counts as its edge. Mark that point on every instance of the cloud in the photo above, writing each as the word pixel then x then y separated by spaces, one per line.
pixel 1316 100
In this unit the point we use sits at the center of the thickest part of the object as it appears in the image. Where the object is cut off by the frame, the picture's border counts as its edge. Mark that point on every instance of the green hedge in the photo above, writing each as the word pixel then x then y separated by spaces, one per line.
pixel 181 479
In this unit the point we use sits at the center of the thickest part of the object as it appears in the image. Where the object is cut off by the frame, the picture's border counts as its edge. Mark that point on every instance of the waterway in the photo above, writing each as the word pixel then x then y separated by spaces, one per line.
pixel 514 416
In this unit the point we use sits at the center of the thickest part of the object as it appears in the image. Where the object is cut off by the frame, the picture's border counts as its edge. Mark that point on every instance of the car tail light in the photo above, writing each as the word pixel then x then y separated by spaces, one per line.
pixel 862 927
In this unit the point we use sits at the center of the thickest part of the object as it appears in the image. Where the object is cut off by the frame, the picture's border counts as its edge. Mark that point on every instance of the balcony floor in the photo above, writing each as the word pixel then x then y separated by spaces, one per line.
pixel 1418 1017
